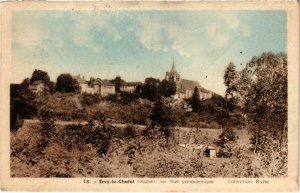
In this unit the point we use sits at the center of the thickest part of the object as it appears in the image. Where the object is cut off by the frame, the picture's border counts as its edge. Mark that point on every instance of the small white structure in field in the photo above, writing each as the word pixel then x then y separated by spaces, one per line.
pixel 212 151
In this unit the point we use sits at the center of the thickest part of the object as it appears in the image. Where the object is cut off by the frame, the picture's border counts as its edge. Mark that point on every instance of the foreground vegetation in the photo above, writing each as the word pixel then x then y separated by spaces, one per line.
pixel 70 153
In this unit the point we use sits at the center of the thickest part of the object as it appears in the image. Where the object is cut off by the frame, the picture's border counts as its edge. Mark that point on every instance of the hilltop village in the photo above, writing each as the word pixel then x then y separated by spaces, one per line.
pixel 104 87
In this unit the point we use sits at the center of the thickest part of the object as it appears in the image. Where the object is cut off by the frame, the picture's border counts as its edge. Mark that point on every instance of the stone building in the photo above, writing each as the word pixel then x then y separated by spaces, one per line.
pixel 129 86
pixel 95 86
pixel 106 88
pixel 185 88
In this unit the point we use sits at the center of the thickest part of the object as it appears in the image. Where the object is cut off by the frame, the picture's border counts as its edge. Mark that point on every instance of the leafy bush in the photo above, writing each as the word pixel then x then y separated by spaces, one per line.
pixel 90 99
pixel 65 83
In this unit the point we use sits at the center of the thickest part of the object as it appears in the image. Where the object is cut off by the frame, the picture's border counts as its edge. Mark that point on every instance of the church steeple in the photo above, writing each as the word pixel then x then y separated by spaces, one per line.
pixel 173 65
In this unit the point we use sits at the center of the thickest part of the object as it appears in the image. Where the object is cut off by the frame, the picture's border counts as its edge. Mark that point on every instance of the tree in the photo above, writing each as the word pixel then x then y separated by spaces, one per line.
pixel 161 119
pixel 262 91
pixel 230 78
pixel 195 101
pixel 150 89
pixel 118 82
pixel 65 83
pixel 22 104
pixel 167 88
pixel 266 102
pixel 243 85
pixel 43 76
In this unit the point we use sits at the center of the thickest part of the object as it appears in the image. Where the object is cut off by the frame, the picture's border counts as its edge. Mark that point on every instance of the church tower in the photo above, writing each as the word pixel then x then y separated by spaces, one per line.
pixel 173 75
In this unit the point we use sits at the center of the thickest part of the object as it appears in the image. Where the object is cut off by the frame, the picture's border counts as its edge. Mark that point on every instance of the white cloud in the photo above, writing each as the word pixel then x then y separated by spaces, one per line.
pixel 185 42
pixel 218 36
pixel 83 29
pixel 149 33
pixel 177 37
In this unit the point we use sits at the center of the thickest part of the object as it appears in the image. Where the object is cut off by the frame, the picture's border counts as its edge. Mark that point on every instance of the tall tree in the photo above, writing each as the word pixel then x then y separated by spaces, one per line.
pixel 167 88
pixel 150 88
pixel 118 82
pixel 230 77
pixel 195 101
pixel 162 118
pixel 65 83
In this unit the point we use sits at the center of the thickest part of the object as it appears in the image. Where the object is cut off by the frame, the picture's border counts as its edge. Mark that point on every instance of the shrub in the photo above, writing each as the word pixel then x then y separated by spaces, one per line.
pixel 90 99
pixel 129 132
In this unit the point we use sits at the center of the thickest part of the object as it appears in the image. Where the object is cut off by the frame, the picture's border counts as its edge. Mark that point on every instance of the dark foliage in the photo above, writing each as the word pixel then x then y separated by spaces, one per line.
pixel 40 75
pixel 65 83
pixel 162 120
pixel 127 98
pixel 167 88
pixel 47 128
pixel 99 137
pixel 118 82
pixel 129 132
pixel 90 99
pixel 150 89
pixel 196 102
pixel 123 98
pixel 22 104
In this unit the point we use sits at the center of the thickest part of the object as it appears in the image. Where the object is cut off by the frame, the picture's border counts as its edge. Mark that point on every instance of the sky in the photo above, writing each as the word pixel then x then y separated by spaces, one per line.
pixel 140 44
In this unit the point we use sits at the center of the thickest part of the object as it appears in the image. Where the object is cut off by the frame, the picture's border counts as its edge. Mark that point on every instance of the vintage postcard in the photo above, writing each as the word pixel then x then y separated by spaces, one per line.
pixel 149 96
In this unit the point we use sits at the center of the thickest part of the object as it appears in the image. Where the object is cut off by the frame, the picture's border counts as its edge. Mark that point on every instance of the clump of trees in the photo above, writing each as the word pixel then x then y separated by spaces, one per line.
pixel 167 88
pixel 66 83
pixel 261 91
pixel 153 89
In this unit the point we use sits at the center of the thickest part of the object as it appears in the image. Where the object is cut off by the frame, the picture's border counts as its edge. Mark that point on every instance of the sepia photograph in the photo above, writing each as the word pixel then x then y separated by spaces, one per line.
pixel 149 93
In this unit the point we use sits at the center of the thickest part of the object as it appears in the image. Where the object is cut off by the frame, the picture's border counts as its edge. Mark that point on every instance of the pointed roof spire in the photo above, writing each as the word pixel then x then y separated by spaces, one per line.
pixel 173 65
